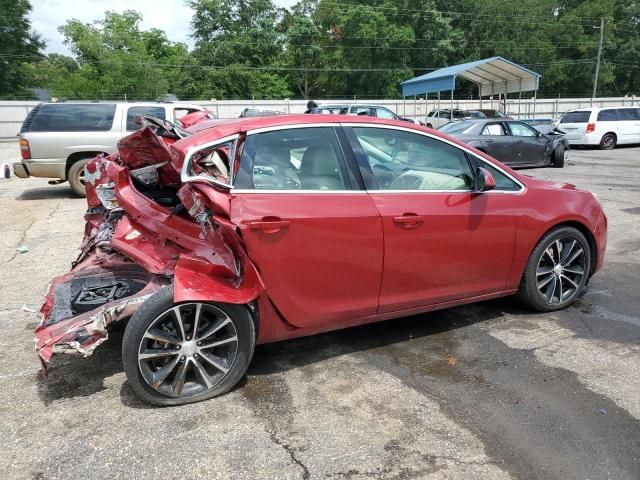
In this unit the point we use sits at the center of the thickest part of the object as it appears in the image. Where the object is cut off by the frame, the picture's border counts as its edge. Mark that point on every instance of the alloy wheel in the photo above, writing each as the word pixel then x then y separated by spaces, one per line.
pixel 560 271
pixel 188 349
pixel 608 142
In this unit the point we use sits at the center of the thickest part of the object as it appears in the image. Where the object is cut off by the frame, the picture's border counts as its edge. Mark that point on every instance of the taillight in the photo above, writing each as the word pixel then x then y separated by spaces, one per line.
pixel 591 127
pixel 25 151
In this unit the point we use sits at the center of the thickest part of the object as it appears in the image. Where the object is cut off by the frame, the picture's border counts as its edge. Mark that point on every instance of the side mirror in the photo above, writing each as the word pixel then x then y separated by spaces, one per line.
pixel 137 119
pixel 484 180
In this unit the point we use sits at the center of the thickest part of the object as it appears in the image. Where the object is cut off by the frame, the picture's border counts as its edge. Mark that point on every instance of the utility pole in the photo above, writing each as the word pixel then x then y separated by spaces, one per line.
pixel 595 79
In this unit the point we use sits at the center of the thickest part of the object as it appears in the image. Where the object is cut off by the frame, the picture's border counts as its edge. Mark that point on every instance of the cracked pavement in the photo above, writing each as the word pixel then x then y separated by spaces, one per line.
pixel 486 391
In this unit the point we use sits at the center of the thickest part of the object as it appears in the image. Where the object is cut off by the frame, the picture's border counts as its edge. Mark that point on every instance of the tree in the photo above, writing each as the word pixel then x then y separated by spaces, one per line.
pixel 19 44
pixel 117 59
pixel 240 36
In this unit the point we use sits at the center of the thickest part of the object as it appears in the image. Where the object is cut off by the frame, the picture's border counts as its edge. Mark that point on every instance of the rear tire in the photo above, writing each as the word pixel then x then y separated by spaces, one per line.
pixel 558 157
pixel 75 175
pixel 608 142
pixel 557 270
pixel 198 353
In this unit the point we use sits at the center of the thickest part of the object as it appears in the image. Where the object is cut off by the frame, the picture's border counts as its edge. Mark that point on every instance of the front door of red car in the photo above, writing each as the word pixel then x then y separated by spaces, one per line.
pixel 443 242
pixel 313 233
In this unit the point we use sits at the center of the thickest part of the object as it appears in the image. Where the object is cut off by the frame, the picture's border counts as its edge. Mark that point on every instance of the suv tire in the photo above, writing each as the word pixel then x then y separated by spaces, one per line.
pixel 75 175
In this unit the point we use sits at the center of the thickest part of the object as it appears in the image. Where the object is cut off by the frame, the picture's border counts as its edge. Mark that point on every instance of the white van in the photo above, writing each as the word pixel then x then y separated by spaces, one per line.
pixel 605 127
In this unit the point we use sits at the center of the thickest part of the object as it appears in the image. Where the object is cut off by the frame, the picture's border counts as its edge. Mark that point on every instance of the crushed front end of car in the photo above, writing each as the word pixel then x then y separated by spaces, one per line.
pixel 145 229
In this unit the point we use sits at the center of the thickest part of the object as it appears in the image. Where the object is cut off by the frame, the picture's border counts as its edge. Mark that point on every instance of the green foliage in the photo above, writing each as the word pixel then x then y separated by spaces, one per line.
pixel 116 59
pixel 326 48
pixel 18 44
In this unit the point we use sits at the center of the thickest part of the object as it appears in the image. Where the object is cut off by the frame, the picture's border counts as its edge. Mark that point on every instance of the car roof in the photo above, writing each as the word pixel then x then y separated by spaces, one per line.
pixel 213 129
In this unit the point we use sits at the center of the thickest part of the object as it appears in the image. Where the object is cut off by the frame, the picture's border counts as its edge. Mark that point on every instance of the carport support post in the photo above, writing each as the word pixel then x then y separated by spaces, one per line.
pixel 451 112
pixel 520 102
pixel 480 94
pixel 535 96
pixel 504 102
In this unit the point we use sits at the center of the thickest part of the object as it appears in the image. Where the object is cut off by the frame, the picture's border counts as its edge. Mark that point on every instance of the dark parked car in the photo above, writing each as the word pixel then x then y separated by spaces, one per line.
pixel 512 142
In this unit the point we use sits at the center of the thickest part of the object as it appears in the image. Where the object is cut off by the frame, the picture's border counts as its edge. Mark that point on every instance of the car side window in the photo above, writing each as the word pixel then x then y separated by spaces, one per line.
pixel 293 159
pixel 503 183
pixel 157 112
pixel 65 117
pixel 522 130
pixel 607 116
pixel 627 114
pixel 402 160
pixel 384 113
pixel 494 129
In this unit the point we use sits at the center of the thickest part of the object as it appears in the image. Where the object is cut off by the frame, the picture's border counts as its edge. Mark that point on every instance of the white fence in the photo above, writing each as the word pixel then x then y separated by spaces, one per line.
pixel 12 113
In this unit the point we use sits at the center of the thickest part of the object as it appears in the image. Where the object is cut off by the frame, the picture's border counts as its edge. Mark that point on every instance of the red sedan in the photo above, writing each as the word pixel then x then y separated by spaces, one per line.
pixel 232 233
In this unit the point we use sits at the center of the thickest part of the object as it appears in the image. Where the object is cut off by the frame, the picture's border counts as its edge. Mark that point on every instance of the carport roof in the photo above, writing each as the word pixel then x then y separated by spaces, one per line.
pixel 493 75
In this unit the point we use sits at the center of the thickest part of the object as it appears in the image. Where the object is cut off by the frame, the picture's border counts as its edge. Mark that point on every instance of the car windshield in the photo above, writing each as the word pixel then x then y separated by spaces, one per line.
pixel 456 127
pixel 576 117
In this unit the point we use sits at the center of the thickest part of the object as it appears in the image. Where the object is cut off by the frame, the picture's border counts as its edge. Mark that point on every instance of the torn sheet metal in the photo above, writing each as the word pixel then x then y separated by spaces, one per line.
pixel 143 231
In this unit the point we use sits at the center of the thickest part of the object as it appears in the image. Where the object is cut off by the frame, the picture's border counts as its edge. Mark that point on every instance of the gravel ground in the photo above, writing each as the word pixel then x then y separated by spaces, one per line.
pixel 483 391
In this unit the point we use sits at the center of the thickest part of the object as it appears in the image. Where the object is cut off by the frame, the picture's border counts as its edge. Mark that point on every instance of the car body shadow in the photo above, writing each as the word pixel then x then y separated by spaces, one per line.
pixel 48 193
pixel 286 355
pixel 75 376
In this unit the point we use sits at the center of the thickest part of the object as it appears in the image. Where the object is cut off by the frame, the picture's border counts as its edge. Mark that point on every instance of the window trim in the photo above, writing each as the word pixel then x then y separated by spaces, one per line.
pixel 479 159
pixel 186 178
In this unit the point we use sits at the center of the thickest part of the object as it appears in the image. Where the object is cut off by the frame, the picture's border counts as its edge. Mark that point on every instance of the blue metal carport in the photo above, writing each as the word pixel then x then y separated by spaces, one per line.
pixel 495 75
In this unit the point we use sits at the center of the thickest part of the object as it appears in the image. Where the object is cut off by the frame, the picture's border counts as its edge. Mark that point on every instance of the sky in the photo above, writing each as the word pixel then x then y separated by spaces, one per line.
pixel 172 16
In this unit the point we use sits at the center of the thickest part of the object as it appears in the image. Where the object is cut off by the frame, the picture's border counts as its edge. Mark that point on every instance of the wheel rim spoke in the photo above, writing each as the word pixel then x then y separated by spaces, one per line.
pixel 178 381
pixel 178 315
pixel 576 271
pixel 561 294
pixel 567 251
pixel 160 336
pixel 149 354
pixel 551 290
pixel 215 328
pixel 543 271
pixel 162 374
pixel 546 281
pixel 214 363
pixel 196 320
pixel 574 257
pixel 203 374
pixel 219 342
pixel 575 285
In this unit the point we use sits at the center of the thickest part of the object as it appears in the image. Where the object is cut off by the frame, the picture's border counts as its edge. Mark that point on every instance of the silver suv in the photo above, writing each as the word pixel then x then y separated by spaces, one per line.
pixel 58 139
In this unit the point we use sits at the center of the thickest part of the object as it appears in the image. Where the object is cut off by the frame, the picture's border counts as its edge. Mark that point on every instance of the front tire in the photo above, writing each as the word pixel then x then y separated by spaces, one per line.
pixel 557 270
pixel 175 354
pixel 558 157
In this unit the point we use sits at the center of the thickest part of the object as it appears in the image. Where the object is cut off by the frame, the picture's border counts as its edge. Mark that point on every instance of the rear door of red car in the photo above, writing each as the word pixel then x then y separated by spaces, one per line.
pixel 443 242
pixel 312 230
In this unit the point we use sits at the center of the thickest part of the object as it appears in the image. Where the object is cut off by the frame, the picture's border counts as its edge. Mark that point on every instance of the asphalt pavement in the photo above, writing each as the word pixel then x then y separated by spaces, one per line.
pixel 488 391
